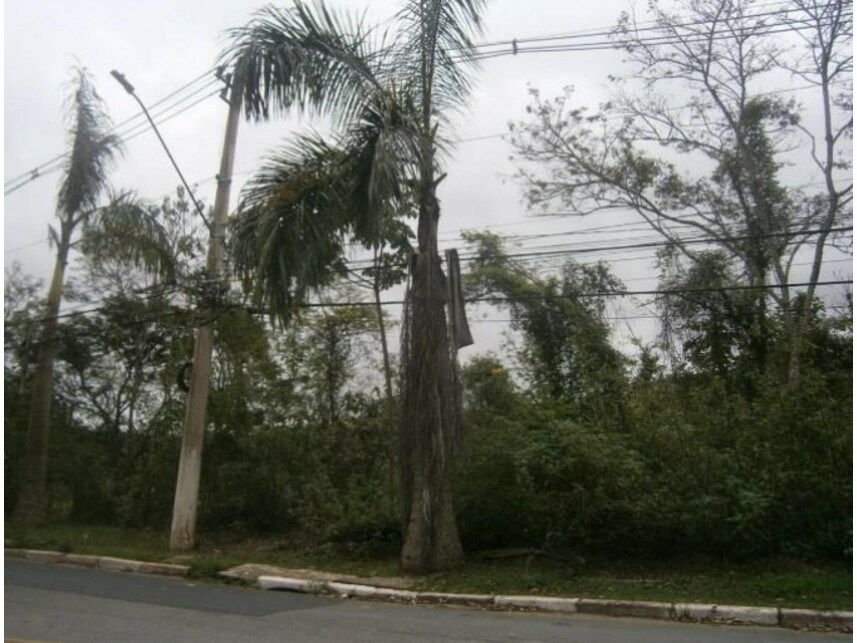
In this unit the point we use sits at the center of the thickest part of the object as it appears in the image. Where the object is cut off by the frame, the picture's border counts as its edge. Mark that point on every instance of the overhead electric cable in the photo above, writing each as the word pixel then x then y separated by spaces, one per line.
pixel 115 128
pixel 127 130
pixel 638 27
pixel 788 24
pixel 516 48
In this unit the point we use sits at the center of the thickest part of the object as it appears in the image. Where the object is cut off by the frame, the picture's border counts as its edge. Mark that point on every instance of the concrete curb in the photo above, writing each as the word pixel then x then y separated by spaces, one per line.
pixel 444 598
pixel 288 584
pixel 798 618
pixel 753 615
pixel 636 609
pixel 729 614
pixel 106 563
pixel 541 603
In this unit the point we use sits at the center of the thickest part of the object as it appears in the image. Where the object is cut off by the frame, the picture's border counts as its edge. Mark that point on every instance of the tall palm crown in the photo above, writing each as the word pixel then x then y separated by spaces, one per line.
pixel 387 95
pixel 93 151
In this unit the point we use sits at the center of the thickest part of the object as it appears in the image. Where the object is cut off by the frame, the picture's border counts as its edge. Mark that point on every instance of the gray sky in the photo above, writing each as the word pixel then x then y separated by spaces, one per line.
pixel 162 44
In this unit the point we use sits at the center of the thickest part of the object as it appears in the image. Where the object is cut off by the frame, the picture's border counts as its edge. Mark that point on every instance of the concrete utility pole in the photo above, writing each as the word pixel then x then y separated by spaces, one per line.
pixel 183 532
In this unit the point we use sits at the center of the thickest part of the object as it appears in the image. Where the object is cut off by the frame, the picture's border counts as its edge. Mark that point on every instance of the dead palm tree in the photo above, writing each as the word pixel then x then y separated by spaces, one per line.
pixel 388 97
pixel 93 152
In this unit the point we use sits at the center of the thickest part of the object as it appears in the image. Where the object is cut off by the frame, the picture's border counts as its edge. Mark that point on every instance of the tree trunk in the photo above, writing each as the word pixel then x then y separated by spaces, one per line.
pixel 827 69
pixel 430 422
pixel 32 500
pixel 431 541
pixel 388 386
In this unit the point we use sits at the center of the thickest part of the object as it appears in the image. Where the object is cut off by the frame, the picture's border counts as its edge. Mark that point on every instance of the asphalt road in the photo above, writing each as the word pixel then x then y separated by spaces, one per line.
pixel 67 604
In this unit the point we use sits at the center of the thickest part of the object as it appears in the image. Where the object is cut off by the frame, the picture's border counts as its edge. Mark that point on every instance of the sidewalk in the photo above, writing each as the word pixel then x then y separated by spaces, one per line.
pixel 397 590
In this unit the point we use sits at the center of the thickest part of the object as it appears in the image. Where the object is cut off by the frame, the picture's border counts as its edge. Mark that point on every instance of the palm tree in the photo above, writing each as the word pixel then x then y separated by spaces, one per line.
pixel 388 99
pixel 93 152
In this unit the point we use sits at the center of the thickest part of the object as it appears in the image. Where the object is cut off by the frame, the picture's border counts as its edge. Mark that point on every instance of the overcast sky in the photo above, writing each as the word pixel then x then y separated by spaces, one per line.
pixel 161 45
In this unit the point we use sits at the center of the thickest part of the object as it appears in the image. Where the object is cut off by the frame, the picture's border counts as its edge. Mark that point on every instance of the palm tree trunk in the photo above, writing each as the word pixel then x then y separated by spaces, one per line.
pixel 32 498
pixel 429 424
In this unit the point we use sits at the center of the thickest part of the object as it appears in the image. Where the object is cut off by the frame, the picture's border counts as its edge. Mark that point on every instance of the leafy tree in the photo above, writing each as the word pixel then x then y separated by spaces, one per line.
pixel 21 311
pixel 388 103
pixel 567 348
pixel 297 440
pixel 487 385
pixel 121 361
pixel 712 165
pixel 389 268
pixel 712 322
pixel 20 320
pixel 327 348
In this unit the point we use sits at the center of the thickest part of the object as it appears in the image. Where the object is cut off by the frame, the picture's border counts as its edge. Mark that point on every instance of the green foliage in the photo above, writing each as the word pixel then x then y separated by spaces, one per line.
pixel 691 466
pixel 711 323
pixel 672 462
pixel 567 349
pixel 209 566
pixel 697 469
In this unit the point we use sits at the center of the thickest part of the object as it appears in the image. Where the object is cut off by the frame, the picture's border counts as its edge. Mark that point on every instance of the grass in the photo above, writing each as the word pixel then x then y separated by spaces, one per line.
pixel 769 583
pixel 136 544
pixel 784 583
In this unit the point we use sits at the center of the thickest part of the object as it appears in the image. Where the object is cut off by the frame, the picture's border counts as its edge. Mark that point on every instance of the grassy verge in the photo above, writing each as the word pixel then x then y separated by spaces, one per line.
pixel 766 583
pixel 781 583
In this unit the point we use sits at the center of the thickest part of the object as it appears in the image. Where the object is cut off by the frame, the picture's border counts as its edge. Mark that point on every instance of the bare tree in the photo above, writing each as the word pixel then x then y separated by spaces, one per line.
pixel 699 149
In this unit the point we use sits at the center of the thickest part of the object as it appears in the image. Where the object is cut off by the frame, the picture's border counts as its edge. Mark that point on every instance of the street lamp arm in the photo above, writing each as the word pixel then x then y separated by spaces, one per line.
pixel 128 87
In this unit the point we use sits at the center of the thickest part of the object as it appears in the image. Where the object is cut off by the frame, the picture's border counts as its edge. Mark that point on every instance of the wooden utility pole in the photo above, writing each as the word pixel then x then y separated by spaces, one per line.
pixel 183 532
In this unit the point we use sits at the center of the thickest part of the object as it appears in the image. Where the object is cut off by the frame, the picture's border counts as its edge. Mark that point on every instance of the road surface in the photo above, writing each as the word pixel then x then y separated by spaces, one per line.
pixel 62 604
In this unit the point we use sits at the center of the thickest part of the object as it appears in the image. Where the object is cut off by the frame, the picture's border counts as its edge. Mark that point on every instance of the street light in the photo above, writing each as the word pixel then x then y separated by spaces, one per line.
pixel 128 87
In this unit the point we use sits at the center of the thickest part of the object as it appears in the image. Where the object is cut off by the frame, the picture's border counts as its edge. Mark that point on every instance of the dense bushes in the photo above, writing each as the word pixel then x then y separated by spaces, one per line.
pixel 672 461
pixel 698 470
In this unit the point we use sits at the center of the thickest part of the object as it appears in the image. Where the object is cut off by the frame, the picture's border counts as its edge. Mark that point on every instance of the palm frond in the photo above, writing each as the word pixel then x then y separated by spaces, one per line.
pixel 93 150
pixel 436 50
pixel 379 166
pixel 299 209
pixel 128 231
pixel 288 235
pixel 306 57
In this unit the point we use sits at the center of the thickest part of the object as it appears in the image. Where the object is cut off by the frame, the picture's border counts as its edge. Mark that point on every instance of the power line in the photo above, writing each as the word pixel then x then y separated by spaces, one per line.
pixel 660 244
pixel 639 28
pixel 142 128
pixel 591 295
pixel 117 127
pixel 565 251
pixel 488 299
pixel 785 25
pixel 478 320
pixel 25 246
pixel 132 131
pixel 515 48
